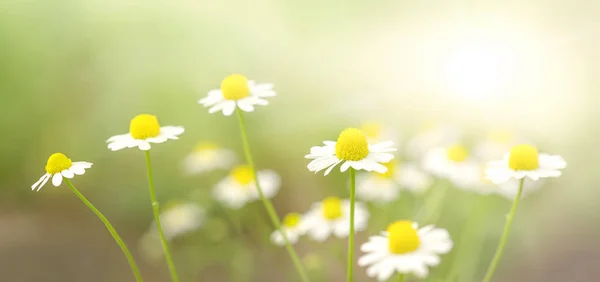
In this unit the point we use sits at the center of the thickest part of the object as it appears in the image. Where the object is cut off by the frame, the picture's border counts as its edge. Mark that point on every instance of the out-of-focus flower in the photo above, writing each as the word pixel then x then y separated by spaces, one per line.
pixel 406 249
pixel 432 137
pixel 525 161
pixel 293 228
pixel 453 163
pixel 207 157
pixel 143 130
pixel 332 216
pixel 180 218
pixel 237 91
pixel 239 188
pixel 385 187
pixel 351 150
pixel 59 166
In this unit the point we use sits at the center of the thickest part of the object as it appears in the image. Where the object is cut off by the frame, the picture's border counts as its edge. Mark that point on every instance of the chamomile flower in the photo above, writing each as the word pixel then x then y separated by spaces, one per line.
pixel 406 249
pixel 143 130
pixel 351 150
pixel 386 187
pixel 292 226
pixel 60 166
pixel 207 157
pixel 454 163
pixel 332 216
pixel 237 91
pixel 525 161
pixel 239 188
pixel 179 219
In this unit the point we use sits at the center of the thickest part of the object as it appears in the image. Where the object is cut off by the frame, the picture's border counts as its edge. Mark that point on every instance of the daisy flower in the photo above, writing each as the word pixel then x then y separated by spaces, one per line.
pixel 332 216
pixel 525 161
pixel 404 249
pixel 207 157
pixel 454 163
pixel 143 130
pixel 237 91
pixel 239 187
pixel 351 150
pixel 386 187
pixel 293 228
pixel 60 166
pixel 179 219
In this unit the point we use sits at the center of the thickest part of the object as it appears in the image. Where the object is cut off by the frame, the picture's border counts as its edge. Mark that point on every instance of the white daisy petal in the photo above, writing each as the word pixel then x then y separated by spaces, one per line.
pixel 144 146
pixel 67 173
pixel 44 177
pixel 44 182
pixel 57 179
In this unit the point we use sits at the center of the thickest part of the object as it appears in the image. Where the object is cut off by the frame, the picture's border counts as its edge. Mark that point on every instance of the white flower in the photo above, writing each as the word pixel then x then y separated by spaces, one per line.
pixel 510 188
pixel 352 150
pixel 60 166
pixel 237 91
pixel 453 163
pixel 293 228
pixel 207 157
pixel 180 219
pixel 404 248
pixel 332 216
pixel 386 187
pixel 239 187
pixel 524 161
pixel 432 137
pixel 143 130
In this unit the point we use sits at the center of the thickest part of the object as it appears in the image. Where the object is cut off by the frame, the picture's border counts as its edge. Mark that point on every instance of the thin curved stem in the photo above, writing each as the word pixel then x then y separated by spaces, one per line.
pixel 351 236
pixel 156 210
pixel 401 277
pixel 266 202
pixel 111 229
pixel 504 238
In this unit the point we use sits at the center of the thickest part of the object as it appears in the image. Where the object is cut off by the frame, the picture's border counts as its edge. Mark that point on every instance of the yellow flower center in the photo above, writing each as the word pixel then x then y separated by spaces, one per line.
pixel 352 145
pixel 144 126
pixel 402 237
pixel 205 146
pixel 291 220
pixel 58 162
pixel 235 87
pixel 371 129
pixel 242 174
pixel 391 166
pixel 523 157
pixel 332 208
pixel 457 153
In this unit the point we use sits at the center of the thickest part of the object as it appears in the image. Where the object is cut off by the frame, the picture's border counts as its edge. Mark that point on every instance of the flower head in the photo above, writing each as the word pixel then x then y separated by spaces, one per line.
pixel 525 161
pixel 293 228
pixel 386 187
pixel 404 248
pixel 143 130
pixel 454 163
pixel 352 150
pixel 60 166
pixel 180 218
pixel 237 91
pixel 239 188
pixel 332 216
pixel 207 157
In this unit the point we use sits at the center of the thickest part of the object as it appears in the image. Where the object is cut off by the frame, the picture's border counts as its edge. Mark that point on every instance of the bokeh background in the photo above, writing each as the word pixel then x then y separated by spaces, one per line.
pixel 74 72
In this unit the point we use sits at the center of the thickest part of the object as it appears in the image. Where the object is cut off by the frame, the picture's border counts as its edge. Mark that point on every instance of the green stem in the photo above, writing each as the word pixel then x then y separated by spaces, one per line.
pixel 504 238
pixel 432 211
pixel 266 202
pixel 111 229
pixel 401 277
pixel 351 237
pixel 156 210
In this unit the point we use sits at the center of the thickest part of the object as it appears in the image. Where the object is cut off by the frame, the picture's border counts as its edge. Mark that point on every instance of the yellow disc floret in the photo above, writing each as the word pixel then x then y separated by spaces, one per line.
pixel 402 237
pixel 242 174
pixel 332 208
pixel 58 162
pixel 523 157
pixel 144 126
pixel 457 153
pixel 235 87
pixel 352 145
pixel 292 220
pixel 391 169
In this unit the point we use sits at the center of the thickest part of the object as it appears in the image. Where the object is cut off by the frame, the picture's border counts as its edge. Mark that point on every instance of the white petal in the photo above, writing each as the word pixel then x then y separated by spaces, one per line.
pixel 67 173
pixel 144 146
pixel 44 177
pixel 57 179
pixel 245 105
pixel 77 169
pixel 229 108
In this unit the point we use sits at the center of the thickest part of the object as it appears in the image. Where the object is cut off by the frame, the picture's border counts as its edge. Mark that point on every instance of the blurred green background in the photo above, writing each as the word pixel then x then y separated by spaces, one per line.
pixel 74 72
